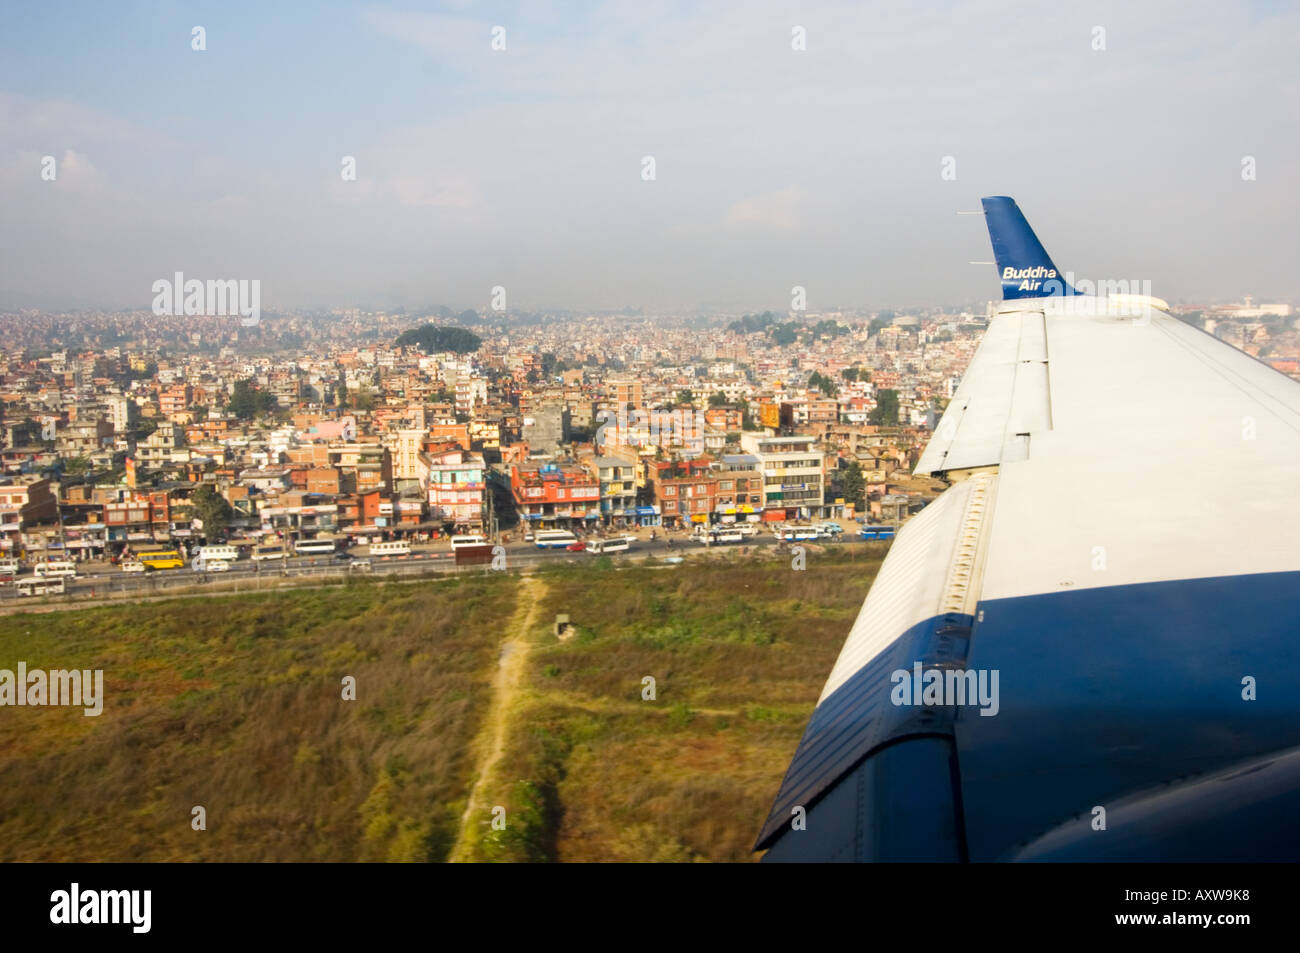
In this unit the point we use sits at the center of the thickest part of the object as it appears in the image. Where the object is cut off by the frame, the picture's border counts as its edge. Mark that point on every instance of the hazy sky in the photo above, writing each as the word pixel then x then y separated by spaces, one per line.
pixel 523 167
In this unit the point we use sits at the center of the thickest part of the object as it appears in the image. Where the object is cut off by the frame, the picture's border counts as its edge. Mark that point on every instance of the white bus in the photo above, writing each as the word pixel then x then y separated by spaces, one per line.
pixel 468 539
pixel 791 533
pixel 224 553
pixel 56 567
pixel 9 566
pixel 728 535
pixel 41 586
pixel 269 552
pixel 617 544
pixel 392 547
pixel 554 539
pixel 313 547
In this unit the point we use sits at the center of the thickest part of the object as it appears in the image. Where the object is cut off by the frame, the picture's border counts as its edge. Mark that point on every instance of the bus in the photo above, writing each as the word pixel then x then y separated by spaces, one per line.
pixel 9 570
pixel 41 586
pixel 553 539
pixel 269 552
pixel 467 540
pixel 793 533
pixel 161 559
pixel 224 553
pixel 877 532
pixel 55 567
pixel 313 547
pixel 617 544
pixel 391 547
pixel 726 535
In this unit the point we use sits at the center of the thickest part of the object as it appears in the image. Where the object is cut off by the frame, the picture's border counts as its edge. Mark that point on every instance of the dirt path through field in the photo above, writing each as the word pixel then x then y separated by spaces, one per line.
pixel 491 741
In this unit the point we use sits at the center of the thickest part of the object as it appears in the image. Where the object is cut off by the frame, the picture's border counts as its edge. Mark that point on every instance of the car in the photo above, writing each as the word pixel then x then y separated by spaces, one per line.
pixel 343 556
pixel 360 564
pixel 576 547
pixel 218 565
pixel 835 528
pixel 130 565
pixel 528 536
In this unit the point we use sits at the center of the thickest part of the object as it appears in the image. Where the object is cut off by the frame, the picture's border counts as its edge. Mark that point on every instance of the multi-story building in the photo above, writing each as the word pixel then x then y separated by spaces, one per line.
pixel 708 491
pixel 175 399
pixel 553 496
pixel 25 501
pixel 628 394
pixel 138 517
pixel 617 478
pixel 793 475
pixel 457 488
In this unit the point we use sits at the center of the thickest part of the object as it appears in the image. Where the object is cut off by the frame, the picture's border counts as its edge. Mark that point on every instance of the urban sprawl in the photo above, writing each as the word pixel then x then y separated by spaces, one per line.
pixel 128 436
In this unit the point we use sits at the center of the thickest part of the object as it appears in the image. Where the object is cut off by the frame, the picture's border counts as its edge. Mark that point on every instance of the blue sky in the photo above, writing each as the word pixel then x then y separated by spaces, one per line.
pixel 522 167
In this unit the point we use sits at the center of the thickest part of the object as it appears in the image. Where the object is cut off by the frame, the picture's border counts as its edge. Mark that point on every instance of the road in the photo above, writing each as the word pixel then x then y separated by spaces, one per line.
pixel 102 579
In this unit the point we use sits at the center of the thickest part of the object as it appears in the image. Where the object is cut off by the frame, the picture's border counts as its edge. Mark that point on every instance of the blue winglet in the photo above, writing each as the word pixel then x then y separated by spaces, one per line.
pixel 1024 266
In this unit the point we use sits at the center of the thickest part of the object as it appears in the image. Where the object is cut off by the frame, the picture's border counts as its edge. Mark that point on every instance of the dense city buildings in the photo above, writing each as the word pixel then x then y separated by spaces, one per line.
pixel 125 430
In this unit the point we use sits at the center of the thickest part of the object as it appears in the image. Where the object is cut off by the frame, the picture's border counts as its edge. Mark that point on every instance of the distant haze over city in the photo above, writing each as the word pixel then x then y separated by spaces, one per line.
pixel 821 145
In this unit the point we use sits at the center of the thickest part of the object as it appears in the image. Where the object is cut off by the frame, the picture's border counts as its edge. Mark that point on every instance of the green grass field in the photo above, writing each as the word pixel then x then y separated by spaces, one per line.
pixel 739 651
pixel 235 704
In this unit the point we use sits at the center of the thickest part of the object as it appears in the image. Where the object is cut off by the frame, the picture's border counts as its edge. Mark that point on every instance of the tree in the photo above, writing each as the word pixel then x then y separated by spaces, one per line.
pixel 885 413
pixel 717 399
pixel 685 397
pixel 883 320
pixel 855 373
pixel 247 402
pixel 852 485
pixel 431 339
pixel 823 383
pixel 784 334
pixel 365 399
pixel 211 507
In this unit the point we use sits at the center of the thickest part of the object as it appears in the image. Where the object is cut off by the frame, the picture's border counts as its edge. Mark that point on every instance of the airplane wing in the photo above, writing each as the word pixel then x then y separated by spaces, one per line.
pixel 1086 648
